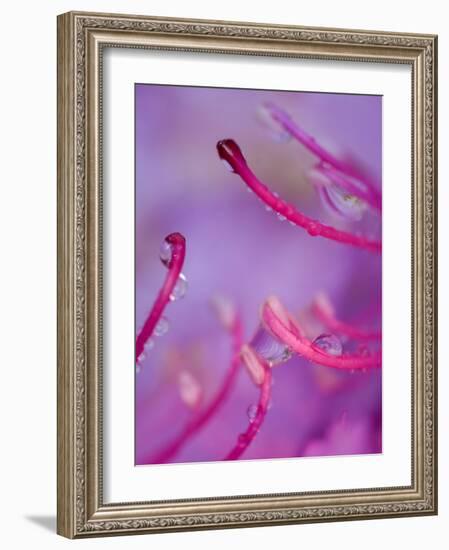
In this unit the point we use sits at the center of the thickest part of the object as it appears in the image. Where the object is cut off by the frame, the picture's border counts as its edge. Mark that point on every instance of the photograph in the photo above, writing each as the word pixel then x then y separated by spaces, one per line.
pixel 247 284
pixel 258 274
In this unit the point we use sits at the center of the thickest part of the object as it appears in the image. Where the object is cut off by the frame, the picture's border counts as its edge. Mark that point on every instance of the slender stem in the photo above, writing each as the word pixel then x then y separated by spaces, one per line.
pixel 178 250
pixel 200 419
pixel 230 152
pixel 289 125
pixel 246 438
pixel 290 333
pixel 283 118
pixel 324 311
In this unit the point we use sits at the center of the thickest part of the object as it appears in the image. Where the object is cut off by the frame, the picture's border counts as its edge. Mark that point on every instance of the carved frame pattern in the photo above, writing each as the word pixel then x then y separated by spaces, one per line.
pixel 81 37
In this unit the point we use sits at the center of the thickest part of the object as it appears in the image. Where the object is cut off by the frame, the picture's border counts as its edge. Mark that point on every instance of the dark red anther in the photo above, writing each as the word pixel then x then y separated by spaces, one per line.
pixel 230 152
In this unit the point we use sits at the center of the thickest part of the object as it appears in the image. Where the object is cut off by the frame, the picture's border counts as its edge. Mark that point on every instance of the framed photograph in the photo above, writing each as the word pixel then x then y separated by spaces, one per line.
pixel 246 274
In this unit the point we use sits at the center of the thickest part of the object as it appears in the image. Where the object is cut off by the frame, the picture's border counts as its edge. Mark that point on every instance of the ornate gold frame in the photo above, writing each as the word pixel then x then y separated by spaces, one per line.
pixel 81 38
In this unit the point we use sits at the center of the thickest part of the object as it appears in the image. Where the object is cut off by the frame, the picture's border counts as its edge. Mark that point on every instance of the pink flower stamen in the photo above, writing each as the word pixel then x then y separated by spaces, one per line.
pixel 260 373
pixel 230 152
pixel 176 246
pixel 203 416
pixel 290 126
pixel 323 310
pixel 342 172
pixel 287 330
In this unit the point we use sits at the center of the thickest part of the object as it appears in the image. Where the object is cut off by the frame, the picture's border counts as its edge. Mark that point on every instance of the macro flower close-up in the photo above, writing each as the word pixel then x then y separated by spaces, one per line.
pixel 258 266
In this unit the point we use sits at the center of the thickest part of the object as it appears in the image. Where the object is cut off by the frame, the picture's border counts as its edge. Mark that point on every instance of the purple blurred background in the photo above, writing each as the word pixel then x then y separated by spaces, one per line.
pixel 237 249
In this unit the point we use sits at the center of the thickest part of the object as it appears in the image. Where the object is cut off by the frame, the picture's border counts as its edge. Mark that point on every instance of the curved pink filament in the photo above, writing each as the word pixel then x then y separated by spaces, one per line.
pixel 175 264
pixel 230 152
pixel 327 317
pixel 290 126
pixel 202 417
pixel 284 119
pixel 245 439
pixel 291 335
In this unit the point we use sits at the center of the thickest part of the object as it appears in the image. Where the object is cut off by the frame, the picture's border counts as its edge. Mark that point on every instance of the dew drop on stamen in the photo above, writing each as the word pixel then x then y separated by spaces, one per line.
pixel 228 165
pixel 140 361
pixel 268 208
pixel 343 204
pixel 162 327
pixel 274 129
pixel 180 288
pixel 165 252
pixel 251 412
pixel 329 343
pixel 336 198
pixel 269 348
pixel 281 218
pixel 149 344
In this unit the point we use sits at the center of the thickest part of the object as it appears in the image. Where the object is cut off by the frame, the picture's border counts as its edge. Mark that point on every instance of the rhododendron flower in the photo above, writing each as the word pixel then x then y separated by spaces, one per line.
pixel 258 283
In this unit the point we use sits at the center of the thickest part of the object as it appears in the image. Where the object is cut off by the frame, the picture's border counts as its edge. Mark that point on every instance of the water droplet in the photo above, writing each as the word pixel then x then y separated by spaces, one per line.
pixel 149 344
pixel 162 327
pixel 270 349
pixel 140 361
pixel 252 412
pixel 345 205
pixel 329 343
pixel 180 288
pixel 336 200
pixel 165 252
pixel 281 218
pixel 274 128
pixel 228 165
pixel 268 208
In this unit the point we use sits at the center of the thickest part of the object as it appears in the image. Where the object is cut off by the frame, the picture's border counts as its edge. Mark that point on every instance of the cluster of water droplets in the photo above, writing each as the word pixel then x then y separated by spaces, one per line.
pixel 178 292
pixel 180 288
pixel 335 199
pixel 149 345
